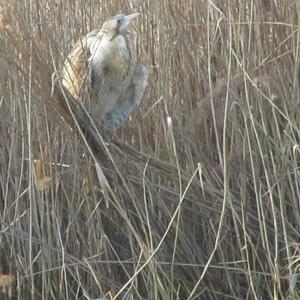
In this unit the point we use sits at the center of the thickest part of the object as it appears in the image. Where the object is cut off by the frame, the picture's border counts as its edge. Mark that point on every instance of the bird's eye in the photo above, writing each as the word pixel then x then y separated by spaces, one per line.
pixel 119 21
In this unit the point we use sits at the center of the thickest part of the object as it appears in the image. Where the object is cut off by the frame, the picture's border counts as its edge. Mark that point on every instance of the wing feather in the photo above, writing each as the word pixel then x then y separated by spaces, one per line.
pixel 76 66
pixel 129 100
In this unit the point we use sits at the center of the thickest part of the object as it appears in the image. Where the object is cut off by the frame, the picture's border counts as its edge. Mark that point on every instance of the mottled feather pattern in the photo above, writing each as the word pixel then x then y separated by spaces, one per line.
pixel 105 61
pixel 76 66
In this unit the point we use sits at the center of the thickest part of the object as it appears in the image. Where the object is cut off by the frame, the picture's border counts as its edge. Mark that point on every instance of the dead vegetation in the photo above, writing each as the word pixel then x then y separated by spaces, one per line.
pixel 198 195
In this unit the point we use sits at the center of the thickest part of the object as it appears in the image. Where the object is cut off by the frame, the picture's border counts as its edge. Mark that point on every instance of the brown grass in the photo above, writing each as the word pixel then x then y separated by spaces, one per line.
pixel 203 206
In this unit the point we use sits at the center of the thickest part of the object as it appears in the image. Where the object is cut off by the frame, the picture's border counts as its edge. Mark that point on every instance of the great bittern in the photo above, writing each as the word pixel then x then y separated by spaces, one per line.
pixel 105 59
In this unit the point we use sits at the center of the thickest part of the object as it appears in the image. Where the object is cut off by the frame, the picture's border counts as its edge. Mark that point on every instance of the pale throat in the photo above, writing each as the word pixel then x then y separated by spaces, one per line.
pixel 109 55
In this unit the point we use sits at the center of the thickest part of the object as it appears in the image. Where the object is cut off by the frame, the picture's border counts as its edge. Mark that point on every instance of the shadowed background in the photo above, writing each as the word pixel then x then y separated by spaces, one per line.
pixel 217 215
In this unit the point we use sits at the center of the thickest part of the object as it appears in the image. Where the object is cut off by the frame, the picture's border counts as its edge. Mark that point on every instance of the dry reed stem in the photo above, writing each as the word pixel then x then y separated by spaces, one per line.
pixel 205 206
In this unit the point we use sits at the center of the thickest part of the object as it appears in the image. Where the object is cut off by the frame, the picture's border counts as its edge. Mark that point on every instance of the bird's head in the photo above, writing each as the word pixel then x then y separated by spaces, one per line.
pixel 118 24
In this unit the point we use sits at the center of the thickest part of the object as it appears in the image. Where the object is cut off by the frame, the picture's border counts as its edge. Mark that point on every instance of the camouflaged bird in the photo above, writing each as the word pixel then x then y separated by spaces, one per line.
pixel 105 61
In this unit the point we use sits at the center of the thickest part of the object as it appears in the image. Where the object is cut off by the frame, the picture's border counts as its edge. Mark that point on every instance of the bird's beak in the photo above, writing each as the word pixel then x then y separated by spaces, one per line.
pixel 131 17
pixel 125 22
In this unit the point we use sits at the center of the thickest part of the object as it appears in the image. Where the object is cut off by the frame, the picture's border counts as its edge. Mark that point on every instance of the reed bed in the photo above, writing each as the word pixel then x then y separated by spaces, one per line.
pixel 195 197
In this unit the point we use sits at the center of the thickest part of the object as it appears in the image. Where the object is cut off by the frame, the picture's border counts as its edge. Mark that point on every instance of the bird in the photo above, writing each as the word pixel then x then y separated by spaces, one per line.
pixel 104 63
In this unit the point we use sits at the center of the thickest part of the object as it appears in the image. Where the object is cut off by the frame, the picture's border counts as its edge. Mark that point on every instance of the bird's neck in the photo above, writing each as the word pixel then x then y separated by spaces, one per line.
pixel 104 33
pixel 107 45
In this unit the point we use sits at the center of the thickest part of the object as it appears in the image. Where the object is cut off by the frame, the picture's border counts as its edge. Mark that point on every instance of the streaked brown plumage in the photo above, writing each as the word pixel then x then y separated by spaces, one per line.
pixel 105 60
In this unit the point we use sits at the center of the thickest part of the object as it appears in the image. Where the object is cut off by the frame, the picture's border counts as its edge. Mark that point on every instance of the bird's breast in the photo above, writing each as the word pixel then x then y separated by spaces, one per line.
pixel 111 67
pixel 110 61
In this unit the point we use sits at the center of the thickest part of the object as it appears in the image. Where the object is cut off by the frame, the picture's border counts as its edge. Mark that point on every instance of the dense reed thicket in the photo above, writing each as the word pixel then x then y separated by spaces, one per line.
pixel 200 198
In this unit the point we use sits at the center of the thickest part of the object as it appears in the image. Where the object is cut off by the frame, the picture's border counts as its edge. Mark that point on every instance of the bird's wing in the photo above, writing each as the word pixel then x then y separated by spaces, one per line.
pixel 76 66
pixel 130 99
